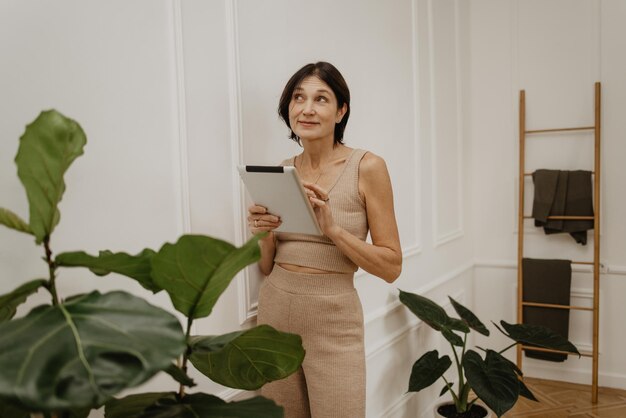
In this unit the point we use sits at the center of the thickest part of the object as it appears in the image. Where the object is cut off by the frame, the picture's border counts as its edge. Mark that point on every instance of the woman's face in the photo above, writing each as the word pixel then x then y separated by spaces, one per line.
pixel 313 110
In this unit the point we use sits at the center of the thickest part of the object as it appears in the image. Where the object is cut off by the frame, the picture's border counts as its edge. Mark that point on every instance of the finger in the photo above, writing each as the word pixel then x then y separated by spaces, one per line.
pixel 316 188
pixel 274 222
pixel 319 192
pixel 257 209
pixel 316 201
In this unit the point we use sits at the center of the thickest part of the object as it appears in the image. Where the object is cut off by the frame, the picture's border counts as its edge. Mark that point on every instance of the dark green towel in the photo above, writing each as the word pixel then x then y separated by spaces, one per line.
pixel 559 193
pixel 547 281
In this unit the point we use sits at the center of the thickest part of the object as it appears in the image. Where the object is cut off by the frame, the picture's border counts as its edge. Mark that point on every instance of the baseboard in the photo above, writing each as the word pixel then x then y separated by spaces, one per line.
pixel 581 376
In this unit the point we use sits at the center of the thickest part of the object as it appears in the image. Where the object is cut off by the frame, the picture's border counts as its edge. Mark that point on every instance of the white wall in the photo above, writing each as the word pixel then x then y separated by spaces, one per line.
pixel 555 50
pixel 174 94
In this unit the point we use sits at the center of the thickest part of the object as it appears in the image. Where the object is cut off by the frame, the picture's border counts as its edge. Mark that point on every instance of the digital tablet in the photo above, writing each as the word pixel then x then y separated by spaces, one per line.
pixel 280 190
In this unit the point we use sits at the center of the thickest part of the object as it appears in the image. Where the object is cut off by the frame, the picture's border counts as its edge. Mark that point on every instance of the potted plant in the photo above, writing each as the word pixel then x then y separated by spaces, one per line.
pixel 74 354
pixel 493 379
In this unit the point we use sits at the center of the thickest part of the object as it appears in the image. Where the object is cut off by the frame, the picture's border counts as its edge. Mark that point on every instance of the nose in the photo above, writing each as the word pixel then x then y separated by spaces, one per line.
pixel 308 108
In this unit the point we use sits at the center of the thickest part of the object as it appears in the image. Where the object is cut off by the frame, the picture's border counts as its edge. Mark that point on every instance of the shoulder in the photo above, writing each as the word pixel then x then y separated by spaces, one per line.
pixel 374 181
pixel 372 165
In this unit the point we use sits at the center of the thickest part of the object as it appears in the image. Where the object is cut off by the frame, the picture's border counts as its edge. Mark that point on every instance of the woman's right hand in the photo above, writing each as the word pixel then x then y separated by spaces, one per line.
pixel 260 220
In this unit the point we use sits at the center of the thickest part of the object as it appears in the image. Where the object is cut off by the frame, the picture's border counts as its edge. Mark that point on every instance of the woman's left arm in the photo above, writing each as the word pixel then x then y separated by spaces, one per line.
pixel 382 258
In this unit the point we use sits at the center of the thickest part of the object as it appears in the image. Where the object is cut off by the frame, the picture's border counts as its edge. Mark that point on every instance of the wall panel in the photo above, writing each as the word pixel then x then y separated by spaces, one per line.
pixel 446 129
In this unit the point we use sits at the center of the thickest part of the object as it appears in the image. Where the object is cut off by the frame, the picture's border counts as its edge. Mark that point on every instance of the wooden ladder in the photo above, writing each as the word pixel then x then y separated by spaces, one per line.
pixel 596 236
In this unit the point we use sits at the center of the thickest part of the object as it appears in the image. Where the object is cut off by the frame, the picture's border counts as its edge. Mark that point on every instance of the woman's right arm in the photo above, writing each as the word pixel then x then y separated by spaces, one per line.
pixel 259 220
pixel 268 250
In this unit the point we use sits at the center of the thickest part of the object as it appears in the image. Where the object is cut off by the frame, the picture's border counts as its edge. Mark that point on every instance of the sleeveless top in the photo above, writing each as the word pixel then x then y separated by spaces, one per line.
pixel 348 211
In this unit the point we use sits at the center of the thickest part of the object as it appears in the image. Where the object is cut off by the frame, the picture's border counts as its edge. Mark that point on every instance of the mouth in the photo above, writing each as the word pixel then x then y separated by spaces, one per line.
pixel 306 123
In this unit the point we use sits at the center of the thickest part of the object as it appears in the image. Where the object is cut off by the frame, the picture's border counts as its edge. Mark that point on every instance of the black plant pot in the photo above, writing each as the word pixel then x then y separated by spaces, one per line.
pixel 448 410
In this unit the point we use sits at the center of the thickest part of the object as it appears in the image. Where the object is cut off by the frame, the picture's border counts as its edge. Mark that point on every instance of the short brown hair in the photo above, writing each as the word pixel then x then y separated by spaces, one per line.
pixel 329 75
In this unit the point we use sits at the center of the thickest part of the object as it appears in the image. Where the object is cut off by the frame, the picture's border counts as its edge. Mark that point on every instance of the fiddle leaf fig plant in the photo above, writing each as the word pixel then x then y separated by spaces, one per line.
pixel 74 354
pixel 493 378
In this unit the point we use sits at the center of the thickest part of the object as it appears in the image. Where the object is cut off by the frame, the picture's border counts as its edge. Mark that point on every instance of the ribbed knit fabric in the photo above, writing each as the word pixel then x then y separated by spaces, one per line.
pixel 326 311
pixel 348 212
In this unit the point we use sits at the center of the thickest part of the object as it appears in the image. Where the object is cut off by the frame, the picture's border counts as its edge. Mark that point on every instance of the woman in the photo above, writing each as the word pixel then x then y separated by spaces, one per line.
pixel 309 289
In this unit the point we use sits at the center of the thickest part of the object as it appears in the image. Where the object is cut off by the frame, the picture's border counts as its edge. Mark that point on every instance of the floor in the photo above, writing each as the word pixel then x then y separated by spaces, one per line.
pixel 562 400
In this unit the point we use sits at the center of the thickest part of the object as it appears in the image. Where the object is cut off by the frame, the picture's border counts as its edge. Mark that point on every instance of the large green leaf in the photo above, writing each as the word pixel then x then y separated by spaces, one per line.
pixel 47 148
pixel 431 313
pixel 248 359
pixel 201 405
pixel 493 380
pixel 197 269
pixel 134 266
pixel 80 353
pixel 10 301
pixel 537 335
pixel 468 316
pixel 525 392
pixel 427 370
pixel 11 220
pixel 133 406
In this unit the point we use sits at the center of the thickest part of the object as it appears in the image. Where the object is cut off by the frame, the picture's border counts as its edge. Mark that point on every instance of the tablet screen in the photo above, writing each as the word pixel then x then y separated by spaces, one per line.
pixel 280 190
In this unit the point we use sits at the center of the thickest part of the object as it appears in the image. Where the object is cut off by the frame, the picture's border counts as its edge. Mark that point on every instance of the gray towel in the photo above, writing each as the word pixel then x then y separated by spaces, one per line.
pixel 563 193
pixel 547 281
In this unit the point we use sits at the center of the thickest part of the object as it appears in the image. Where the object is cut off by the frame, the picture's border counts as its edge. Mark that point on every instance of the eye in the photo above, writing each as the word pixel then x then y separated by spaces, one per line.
pixel 298 97
pixel 322 99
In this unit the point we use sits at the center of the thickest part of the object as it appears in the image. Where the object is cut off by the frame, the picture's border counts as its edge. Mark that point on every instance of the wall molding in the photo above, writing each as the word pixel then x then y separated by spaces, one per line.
pixel 425 289
pixel 440 239
pixel 406 397
pixel 416 248
pixel 184 204
pixel 245 305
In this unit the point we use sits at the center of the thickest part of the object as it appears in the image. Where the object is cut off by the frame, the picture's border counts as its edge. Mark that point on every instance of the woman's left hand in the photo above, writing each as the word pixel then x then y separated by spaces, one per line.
pixel 321 205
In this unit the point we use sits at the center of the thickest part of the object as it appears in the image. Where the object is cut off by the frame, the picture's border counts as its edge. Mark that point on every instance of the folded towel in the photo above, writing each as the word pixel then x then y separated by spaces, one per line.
pixel 550 198
pixel 559 193
pixel 579 203
pixel 547 281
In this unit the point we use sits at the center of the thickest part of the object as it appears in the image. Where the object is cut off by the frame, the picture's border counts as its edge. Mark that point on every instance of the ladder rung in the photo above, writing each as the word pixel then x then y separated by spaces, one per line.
pixel 571 218
pixel 530 174
pixel 582 128
pixel 591 263
pixel 551 305
pixel 548 350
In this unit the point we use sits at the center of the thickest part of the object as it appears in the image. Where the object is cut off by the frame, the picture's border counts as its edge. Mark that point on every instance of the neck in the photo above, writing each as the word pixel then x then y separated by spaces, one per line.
pixel 318 153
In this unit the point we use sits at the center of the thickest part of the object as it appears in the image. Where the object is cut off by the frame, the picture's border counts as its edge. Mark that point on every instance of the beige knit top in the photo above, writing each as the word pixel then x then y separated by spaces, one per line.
pixel 348 211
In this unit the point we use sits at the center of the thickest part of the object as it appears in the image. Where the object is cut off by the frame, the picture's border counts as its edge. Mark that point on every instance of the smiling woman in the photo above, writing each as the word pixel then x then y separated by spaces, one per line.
pixel 309 289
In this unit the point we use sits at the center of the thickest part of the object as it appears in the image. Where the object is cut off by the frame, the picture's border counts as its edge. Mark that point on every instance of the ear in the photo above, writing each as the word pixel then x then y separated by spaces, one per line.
pixel 341 112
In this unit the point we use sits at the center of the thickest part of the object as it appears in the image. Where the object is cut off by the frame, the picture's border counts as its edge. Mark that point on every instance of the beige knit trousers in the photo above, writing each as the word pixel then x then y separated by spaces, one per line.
pixel 326 311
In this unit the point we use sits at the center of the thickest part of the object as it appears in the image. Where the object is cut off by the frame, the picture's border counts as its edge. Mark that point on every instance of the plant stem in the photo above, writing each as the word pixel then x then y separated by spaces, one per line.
pixel 459 370
pixel 463 387
pixel 181 390
pixel 51 271
pixel 512 345
pixel 454 397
